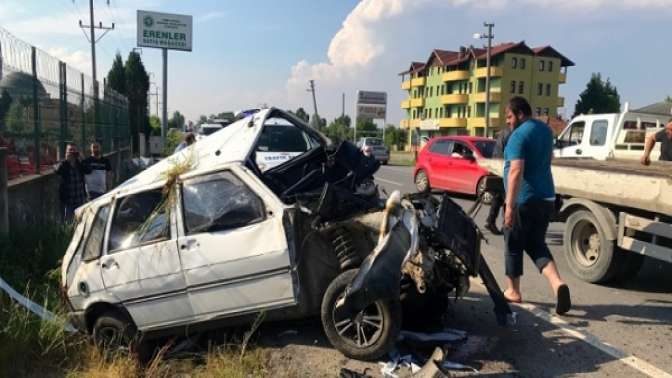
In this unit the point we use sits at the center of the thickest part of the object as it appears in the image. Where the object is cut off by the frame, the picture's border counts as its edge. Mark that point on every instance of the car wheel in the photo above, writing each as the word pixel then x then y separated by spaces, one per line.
pixel 422 182
pixel 113 331
pixel 480 191
pixel 368 334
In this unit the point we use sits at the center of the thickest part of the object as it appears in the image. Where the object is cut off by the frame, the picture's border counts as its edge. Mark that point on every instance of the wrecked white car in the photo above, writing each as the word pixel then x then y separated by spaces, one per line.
pixel 206 238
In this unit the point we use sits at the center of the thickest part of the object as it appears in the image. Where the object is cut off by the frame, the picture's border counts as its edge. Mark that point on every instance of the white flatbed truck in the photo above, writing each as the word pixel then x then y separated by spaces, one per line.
pixel 615 213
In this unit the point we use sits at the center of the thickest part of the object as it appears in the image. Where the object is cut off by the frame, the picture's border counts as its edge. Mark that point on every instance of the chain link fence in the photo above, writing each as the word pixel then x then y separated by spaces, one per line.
pixel 45 104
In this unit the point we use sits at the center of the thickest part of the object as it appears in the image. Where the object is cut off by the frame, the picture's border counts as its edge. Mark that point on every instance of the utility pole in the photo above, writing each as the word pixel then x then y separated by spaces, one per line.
pixel 156 96
pixel 489 37
pixel 92 39
pixel 316 117
pixel 343 106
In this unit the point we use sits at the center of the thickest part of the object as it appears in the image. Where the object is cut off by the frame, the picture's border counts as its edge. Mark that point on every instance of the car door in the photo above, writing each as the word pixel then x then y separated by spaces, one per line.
pixel 440 162
pixel 465 172
pixel 570 142
pixel 595 145
pixel 141 264
pixel 233 245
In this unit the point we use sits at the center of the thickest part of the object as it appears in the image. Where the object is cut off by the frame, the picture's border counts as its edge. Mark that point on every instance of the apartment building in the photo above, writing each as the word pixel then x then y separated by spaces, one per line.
pixel 446 94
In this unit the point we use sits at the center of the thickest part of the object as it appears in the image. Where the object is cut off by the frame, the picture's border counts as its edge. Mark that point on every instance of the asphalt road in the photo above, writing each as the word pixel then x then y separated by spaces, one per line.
pixel 618 331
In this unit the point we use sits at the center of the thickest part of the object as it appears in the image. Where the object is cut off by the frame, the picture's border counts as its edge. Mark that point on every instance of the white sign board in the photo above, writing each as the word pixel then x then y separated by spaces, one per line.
pixel 429 124
pixel 372 105
pixel 164 30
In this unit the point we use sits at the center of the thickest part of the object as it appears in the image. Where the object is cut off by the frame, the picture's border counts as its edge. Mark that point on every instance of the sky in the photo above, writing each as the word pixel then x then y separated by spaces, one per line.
pixel 250 53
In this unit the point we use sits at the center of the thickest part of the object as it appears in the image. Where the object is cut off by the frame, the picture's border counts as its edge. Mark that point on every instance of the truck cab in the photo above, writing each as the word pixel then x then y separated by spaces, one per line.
pixel 613 135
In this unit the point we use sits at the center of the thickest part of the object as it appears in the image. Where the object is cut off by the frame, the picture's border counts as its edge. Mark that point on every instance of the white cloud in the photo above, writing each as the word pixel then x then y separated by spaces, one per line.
pixel 78 59
pixel 215 15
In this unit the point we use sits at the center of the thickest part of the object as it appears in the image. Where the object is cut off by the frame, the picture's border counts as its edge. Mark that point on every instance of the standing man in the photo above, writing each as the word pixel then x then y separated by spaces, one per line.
pixel 189 139
pixel 98 181
pixel 498 197
pixel 530 201
pixel 71 191
pixel 663 136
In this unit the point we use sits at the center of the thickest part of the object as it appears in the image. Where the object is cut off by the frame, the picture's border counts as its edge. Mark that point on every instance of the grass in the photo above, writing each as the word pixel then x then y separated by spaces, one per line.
pixel 30 259
pixel 402 158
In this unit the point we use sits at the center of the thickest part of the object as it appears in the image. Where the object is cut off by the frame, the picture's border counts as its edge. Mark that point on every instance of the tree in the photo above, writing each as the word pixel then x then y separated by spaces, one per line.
pixel 301 114
pixel 598 97
pixel 5 103
pixel 202 119
pixel 155 125
pixel 116 77
pixel 16 119
pixel 668 99
pixel 137 87
pixel 367 128
pixel 339 129
pixel 177 121
pixel 395 137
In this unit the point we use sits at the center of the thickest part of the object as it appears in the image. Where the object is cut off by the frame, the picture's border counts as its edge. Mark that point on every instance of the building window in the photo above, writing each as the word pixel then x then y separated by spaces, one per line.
pixel 521 87
pixel 522 63
pixel 413 114
pixel 548 89
pixel 550 66
pixel 538 112
pixel 546 112
pixel 540 89
pixel 513 86
pixel 469 111
pixel 541 65
pixel 471 87
pixel 449 112
pixel 514 62
pixel 430 113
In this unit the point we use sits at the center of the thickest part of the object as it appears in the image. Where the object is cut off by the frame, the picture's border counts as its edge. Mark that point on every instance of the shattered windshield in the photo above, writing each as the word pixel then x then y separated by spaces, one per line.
pixel 139 219
pixel 219 202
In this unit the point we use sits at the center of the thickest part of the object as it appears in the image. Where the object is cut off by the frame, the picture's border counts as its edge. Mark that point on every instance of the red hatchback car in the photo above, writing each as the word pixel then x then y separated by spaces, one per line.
pixel 449 163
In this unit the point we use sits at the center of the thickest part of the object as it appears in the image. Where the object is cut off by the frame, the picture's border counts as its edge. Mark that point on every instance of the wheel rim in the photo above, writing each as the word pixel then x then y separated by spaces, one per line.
pixel 364 328
pixel 480 191
pixel 587 244
pixel 109 336
pixel 421 181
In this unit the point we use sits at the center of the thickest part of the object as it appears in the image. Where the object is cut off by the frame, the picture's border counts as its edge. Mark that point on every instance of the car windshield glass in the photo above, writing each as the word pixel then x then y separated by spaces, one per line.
pixel 281 138
pixel 485 148
pixel 209 130
pixel 374 142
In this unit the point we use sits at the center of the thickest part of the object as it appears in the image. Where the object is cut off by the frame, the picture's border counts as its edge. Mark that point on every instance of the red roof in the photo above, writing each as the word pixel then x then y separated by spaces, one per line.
pixel 550 51
pixel 415 67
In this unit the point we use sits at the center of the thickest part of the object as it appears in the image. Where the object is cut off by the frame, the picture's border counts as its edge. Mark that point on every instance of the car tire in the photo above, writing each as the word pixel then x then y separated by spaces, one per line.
pixel 113 331
pixel 590 255
pixel 380 321
pixel 480 191
pixel 422 182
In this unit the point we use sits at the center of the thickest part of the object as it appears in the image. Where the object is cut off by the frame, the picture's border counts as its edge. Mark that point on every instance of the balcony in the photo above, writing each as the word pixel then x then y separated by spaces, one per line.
pixel 406 85
pixel 406 104
pixel 480 122
pixel 563 78
pixel 418 82
pixel 494 72
pixel 455 75
pixel 494 96
pixel 453 122
pixel 417 102
pixel 408 123
pixel 561 102
pixel 454 99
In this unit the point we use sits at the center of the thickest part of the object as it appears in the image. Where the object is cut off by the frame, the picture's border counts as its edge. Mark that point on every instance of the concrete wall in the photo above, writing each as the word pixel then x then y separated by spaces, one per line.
pixel 34 199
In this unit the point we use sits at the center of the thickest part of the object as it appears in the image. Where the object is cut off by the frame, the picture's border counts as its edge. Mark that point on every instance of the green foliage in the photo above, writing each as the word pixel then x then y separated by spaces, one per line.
pixel 116 78
pixel 16 119
pixel 177 121
pixel 155 125
pixel 395 137
pixel 339 129
pixel 598 97
pixel 301 114
pixel 5 103
pixel 173 138
pixel 137 88
pixel 668 99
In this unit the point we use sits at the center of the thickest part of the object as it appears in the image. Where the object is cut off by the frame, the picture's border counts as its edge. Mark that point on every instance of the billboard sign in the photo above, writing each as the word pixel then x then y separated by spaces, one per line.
pixel 371 105
pixel 164 30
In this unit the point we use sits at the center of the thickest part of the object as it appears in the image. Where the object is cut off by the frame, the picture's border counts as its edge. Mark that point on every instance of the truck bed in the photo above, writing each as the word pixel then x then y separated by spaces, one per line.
pixel 623 183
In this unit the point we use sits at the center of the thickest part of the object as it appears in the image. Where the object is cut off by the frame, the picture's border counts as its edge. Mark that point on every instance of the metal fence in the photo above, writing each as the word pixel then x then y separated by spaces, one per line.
pixel 45 104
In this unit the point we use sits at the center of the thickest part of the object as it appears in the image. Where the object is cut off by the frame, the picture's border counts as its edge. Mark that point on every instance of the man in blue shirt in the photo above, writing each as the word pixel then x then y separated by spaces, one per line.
pixel 530 201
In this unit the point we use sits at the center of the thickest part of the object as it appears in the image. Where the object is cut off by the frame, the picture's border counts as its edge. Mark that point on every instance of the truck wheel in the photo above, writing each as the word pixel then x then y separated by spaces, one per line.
pixel 589 254
pixel 367 335
pixel 422 182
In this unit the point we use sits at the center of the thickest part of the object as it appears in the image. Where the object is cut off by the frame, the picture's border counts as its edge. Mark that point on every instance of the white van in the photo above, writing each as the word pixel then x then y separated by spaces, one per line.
pixel 604 136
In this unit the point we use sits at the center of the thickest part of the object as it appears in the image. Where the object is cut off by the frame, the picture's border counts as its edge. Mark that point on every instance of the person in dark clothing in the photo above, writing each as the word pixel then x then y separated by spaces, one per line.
pixel 71 191
pixel 664 137
pixel 497 197
pixel 530 202
pixel 98 181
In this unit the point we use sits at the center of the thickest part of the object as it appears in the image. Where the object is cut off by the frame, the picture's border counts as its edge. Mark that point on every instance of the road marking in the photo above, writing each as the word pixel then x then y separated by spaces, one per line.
pixel 398 169
pixel 388 181
pixel 628 359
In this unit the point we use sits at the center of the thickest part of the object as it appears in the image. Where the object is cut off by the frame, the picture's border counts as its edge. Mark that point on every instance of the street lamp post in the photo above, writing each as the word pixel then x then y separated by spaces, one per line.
pixel 489 36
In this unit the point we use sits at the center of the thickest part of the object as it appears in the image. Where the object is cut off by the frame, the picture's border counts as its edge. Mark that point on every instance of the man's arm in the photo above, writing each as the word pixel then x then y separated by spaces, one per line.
pixel 516 170
pixel 648 147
